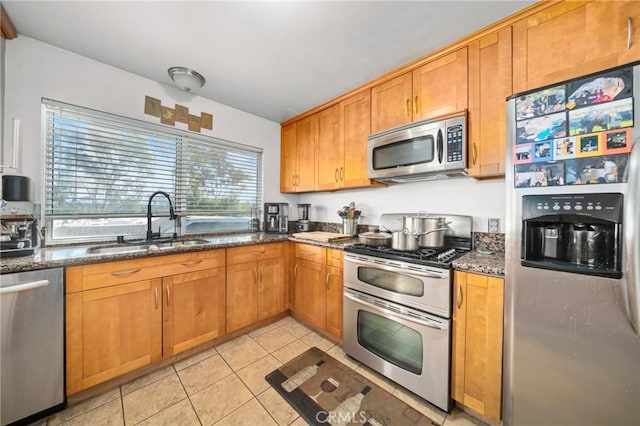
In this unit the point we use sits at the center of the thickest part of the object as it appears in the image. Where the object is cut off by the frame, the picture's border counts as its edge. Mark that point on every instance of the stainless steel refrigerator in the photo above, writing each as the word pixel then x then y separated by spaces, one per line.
pixel 572 345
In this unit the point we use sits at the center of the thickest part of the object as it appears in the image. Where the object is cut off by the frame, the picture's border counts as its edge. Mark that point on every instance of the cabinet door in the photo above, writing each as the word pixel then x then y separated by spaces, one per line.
pixel 242 295
pixel 194 309
pixel 272 290
pixel 288 158
pixel 356 127
pixel 489 86
pixel 305 143
pixel 111 331
pixel 477 343
pixel 334 284
pixel 329 149
pixel 310 292
pixel 391 103
pixel 628 31
pixel 567 40
pixel 440 86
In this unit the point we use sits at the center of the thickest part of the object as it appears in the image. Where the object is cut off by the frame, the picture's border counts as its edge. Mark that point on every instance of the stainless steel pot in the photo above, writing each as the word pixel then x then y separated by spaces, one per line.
pixel 415 224
pixel 375 239
pixel 404 242
pixel 433 235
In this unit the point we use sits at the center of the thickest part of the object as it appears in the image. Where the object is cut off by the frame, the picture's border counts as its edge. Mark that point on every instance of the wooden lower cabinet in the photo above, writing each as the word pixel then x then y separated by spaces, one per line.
pixel 310 293
pixel 111 331
pixel 476 376
pixel 256 289
pixel 194 309
pixel 334 280
pixel 120 317
pixel 318 287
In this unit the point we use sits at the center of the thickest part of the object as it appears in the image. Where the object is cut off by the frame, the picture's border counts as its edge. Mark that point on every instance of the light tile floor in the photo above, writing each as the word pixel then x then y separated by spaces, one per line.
pixel 225 385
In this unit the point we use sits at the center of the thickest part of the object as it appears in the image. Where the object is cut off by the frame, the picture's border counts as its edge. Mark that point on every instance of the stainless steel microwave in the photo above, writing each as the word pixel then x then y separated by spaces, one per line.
pixel 424 150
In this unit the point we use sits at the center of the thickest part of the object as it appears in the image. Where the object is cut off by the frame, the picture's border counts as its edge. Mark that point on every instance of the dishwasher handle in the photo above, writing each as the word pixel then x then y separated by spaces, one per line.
pixel 24 287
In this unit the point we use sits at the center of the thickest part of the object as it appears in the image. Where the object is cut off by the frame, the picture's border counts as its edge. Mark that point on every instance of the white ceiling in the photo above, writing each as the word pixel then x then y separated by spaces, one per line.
pixel 270 58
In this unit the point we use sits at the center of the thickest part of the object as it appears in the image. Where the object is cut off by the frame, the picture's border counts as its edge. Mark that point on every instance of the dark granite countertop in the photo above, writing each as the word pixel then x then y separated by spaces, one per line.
pixel 53 257
pixel 490 264
pixel 340 245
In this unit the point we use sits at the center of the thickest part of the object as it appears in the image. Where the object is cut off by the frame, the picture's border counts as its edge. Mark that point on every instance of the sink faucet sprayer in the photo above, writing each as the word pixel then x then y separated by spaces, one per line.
pixel 172 214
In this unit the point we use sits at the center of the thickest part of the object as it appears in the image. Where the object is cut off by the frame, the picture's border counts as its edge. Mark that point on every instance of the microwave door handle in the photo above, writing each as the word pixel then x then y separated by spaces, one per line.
pixel 430 274
pixel 630 221
pixel 386 312
pixel 440 145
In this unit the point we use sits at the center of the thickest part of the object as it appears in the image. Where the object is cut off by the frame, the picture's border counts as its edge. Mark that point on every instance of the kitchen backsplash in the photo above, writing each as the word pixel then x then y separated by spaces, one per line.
pixel 489 241
pixel 484 240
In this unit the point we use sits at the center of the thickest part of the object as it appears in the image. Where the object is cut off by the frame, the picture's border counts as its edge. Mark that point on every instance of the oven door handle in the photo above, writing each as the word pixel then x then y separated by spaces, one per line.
pixel 424 322
pixel 431 274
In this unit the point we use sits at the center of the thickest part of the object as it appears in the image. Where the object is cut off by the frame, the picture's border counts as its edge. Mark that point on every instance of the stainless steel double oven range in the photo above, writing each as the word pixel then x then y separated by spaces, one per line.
pixel 397 309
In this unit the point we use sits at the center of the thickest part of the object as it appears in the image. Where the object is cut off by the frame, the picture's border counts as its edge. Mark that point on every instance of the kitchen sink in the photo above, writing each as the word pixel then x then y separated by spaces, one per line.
pixel 146 246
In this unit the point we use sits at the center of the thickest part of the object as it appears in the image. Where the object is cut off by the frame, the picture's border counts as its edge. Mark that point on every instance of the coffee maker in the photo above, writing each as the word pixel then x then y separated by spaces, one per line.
pixel 577 233
pixel 304 224
pixel 276 218
pixel 18 229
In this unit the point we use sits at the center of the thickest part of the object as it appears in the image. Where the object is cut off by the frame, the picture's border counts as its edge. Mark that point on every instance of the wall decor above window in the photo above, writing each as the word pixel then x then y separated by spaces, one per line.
pixel 179 113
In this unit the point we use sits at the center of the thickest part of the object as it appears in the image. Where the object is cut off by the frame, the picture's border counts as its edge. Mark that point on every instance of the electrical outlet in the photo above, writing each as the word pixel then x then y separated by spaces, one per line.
pixel 494 225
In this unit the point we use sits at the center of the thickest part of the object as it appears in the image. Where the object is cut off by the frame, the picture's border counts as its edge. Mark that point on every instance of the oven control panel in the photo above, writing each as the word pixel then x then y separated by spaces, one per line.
pixel 607 206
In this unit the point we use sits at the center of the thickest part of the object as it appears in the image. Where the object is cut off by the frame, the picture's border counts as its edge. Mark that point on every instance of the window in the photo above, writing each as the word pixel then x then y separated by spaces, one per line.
pixel 101 169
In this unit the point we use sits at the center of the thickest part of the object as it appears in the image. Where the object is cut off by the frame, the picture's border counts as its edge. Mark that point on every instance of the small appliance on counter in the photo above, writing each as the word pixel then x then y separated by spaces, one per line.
pixel 254 222
pixel 18 225
pixel 276 218
pixel 304 224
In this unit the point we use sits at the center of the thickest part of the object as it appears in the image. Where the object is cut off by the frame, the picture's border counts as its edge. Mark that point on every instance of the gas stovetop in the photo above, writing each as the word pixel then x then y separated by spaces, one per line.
pixel 439 257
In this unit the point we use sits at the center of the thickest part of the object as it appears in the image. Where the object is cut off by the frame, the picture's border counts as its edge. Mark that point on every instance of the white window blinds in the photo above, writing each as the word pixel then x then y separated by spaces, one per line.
pixel 101 165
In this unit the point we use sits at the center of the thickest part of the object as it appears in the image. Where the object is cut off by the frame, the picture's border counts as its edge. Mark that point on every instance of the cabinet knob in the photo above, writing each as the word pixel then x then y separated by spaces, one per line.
pixel 459 295
pixel 415 106
pixel 409 108
pixel 629 32
pixel 168 296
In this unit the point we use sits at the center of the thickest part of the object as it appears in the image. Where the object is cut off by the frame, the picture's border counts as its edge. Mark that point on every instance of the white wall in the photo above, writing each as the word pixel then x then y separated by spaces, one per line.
pixel 35 70
pixel 459 195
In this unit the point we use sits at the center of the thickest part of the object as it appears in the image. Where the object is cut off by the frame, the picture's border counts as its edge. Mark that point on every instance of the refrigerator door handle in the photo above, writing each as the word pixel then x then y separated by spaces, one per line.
pixel 632 243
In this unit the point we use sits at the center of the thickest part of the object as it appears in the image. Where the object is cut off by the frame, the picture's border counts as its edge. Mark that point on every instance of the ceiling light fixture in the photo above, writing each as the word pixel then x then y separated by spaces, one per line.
pixel 186 78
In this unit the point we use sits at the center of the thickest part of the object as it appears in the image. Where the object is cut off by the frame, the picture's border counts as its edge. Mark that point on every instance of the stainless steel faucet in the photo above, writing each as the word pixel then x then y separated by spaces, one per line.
pixel 172 214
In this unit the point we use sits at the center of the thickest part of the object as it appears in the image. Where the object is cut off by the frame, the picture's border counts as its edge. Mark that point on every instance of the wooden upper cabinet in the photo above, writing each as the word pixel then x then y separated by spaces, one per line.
pixel 440 86
pixel 571 39
pixel 288 158
pixel 297 156
pixel 628 24
pixel 306 150
pixel 489 85
pixel 391 103
pixel 329 152
pixel 356 127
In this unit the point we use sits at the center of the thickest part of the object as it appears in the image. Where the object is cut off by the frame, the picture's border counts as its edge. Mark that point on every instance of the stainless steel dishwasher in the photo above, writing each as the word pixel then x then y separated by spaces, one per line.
pixel 31 345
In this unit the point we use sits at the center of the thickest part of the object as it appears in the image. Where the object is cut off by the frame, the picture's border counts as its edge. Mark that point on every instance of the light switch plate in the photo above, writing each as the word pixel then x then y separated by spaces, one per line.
pixel 494 225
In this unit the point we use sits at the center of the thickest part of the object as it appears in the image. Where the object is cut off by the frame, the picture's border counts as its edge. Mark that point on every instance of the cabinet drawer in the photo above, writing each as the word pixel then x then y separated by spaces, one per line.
pixel 334 257
pixel 113 273
pixel 310 253
pixel 254 253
